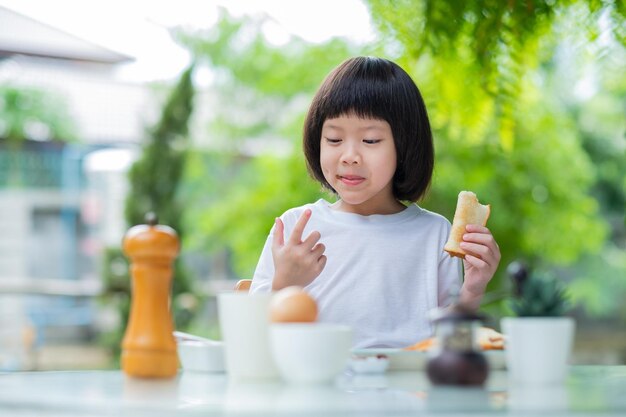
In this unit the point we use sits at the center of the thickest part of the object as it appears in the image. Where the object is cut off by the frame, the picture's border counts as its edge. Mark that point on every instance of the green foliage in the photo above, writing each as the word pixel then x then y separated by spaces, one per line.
pixel 485 48
pixel 154 178
pixel 30 113
pixel 541 297
pixel 600 285
pixel 598 113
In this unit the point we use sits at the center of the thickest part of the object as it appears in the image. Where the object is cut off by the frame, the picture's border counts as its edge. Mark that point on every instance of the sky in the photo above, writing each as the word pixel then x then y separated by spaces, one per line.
pixel 139 27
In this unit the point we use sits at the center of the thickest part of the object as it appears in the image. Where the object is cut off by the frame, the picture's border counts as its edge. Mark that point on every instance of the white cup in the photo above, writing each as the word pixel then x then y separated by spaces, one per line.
pixel 244 322
pixel 310 353
pixel 538 348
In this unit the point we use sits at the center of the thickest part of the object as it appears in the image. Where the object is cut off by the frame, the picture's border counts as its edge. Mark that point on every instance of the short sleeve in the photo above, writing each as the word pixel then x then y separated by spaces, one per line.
pixel 264 272
pixel 449 280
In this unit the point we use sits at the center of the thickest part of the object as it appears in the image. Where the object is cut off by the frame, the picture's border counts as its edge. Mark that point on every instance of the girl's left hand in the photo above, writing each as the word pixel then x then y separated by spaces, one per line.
pixel 482 258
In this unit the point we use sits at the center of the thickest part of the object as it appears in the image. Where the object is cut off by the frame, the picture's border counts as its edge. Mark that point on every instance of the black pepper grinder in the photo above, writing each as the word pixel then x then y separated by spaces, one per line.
pixel 457 358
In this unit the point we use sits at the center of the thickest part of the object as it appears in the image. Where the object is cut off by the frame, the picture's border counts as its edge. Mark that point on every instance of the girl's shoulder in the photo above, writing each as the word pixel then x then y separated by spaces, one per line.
pixel 294 213
pixel 428 216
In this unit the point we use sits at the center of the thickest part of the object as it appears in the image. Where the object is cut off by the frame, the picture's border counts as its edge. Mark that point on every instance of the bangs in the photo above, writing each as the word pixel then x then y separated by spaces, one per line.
pixel 367 101
pixel 363 89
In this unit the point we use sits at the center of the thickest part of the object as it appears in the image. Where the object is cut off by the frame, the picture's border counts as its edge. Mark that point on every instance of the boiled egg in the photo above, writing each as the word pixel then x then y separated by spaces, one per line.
pixel 292 305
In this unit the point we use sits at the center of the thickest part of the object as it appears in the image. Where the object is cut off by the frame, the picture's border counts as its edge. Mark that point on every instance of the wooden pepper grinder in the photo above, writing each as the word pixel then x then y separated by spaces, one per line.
pixel 148 347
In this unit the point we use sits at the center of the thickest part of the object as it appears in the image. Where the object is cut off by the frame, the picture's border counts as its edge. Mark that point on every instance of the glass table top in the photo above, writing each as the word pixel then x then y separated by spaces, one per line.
pixel 588 390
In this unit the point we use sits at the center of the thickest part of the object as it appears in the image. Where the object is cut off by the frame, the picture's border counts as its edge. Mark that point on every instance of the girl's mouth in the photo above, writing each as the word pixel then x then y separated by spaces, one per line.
pixel 351 180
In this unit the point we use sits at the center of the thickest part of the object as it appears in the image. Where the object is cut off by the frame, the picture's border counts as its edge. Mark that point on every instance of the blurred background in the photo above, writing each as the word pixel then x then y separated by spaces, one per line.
pixel 194 110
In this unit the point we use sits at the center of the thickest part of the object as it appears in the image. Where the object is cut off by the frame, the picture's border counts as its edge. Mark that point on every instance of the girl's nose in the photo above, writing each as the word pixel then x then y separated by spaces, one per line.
pixel 350 156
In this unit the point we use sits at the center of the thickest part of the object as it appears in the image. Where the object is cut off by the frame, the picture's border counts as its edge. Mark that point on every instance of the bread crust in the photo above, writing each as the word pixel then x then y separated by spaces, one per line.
pixel 468 211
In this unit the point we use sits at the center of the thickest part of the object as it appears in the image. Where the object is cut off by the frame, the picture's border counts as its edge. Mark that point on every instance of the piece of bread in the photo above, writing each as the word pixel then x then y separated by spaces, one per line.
pixel 468 211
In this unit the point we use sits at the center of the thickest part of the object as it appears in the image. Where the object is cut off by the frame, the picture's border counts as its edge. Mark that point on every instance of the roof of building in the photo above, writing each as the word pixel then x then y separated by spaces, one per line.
pixel 24 35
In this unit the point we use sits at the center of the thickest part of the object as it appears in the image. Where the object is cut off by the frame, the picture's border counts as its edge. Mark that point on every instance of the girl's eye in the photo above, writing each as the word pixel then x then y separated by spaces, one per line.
pixel 333 141
pixel 371 141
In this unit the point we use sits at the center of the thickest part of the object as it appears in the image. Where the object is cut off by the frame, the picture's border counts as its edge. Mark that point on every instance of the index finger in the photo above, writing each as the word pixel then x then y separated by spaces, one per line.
pixel 476 228
pixel 296 233
pixel 279 228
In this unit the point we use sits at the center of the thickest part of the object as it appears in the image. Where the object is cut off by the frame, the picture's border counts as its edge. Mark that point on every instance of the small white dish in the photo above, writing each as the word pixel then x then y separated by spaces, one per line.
pixel 201 356
pixel 377 364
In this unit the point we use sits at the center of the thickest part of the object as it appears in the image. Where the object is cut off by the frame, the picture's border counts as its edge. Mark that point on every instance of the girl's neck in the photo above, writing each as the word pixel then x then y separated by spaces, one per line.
pixel 365 209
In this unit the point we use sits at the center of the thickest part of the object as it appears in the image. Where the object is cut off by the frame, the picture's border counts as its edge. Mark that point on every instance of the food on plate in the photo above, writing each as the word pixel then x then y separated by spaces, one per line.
pixel 423 345
pixel 292 305
pixel 468 211
pixel 488 339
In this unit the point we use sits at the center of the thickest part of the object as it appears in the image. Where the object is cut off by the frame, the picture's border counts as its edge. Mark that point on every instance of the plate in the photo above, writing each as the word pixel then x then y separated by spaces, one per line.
pixel 408 360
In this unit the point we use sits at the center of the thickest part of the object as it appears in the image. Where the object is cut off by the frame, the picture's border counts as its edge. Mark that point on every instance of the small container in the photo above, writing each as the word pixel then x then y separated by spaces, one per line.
pixel 457 359
pixel 201 356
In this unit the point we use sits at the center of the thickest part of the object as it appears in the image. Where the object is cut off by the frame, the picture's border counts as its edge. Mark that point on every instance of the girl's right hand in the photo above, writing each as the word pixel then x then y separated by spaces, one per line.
pixel 297 261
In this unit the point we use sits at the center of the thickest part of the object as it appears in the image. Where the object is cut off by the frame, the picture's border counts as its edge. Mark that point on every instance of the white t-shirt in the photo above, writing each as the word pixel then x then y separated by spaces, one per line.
pixel 384 273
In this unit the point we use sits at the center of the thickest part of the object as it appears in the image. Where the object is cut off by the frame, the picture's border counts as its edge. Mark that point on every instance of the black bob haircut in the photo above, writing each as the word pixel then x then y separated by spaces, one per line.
pixel 376 88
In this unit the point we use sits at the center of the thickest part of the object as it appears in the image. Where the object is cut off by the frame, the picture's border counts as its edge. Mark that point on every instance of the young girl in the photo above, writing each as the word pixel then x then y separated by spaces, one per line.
pixel 369 260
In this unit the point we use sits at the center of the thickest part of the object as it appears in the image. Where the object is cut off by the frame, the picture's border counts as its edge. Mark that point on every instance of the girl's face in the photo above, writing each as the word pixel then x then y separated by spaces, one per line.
pixel 358 159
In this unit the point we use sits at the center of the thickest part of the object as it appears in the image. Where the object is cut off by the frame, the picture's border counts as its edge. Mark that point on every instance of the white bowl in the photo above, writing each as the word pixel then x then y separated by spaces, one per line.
pixel 198 356
pixel 310 352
